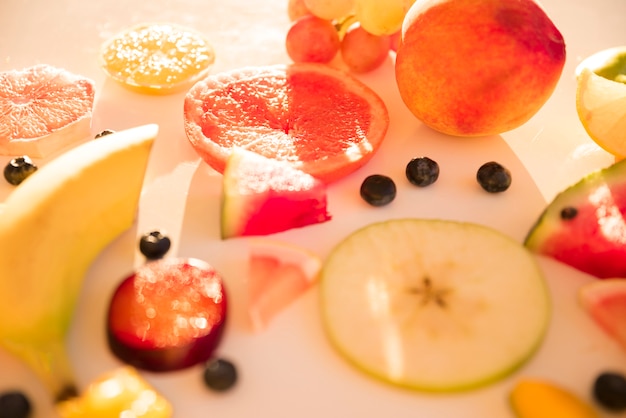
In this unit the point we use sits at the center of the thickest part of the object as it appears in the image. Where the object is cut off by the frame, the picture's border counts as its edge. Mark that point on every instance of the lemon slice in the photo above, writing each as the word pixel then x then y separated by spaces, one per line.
pixel 157 58
pixel 601 99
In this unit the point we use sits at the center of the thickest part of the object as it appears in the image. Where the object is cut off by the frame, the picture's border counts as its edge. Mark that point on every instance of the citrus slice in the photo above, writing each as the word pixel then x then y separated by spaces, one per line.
pixel 601 99
pixel 157 58
pixel 121 392
pixel 323 121
pixel 43 109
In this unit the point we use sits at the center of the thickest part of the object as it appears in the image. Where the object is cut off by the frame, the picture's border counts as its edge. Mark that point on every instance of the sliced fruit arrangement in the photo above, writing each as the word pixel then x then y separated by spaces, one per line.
pixel 605 301
pixel 278 274
pixel 601 98
pixel 539 398
pixel 159 58
pixel 167 315
pixel 584 225
pixel 321 120
pixel 426 305
pixel 43 109
pixel 263 196
pixel 514 46
pixel 65 214
pixel 120 393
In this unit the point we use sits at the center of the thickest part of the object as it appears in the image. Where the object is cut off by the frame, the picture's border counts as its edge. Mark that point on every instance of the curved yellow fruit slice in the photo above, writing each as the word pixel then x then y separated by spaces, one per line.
pixel 601 99
pixel 157 58
pixel 533 398
pixel 120 393
pixel 52 227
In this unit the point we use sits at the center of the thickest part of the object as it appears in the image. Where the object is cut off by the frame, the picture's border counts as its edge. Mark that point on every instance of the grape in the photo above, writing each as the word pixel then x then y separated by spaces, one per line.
pixel 312 39
pixel 361 51
pixel 296 9
pixel 382 18
pixel 330 9
pixel 396 38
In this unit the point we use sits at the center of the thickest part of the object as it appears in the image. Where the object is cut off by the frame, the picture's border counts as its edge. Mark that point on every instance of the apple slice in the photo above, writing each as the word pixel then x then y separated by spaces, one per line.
pixel 279 273
pixel 168 315
pixel 434 305
pixel 605 301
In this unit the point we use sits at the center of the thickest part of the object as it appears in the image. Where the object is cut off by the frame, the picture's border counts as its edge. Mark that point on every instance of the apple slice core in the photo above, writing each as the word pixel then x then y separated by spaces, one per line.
pixel 433 305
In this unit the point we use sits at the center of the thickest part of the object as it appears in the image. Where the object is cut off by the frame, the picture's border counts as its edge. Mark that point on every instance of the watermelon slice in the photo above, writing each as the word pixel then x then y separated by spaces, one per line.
pixel 279 274
pixel 584 225
pixel 605 301
pixel 263 196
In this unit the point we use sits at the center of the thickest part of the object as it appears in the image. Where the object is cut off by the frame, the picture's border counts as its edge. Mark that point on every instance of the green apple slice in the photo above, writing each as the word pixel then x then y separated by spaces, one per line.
pixel 434 305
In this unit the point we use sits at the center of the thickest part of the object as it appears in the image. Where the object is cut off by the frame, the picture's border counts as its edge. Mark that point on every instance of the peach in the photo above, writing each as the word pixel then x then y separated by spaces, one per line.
pixel 477 67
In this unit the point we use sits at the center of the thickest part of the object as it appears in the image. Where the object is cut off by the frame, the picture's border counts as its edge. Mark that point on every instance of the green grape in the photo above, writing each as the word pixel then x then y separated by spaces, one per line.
pixel 330 9
pixel 382 18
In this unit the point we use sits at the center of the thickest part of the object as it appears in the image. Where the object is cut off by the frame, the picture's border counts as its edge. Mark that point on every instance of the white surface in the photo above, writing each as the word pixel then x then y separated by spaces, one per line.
pixel 290 370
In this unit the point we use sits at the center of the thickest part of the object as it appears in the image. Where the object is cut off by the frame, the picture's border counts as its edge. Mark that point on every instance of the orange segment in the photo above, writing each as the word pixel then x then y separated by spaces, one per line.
pixel 157 57
pixel 323 121
pixel 43 109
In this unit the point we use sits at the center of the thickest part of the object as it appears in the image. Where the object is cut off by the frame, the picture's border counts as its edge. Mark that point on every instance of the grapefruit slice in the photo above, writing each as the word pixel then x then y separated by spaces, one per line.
pixel 321 120
pixel 43 109
pixel 157 58
pixel 279 274
pixel 605 301
pixel 263 196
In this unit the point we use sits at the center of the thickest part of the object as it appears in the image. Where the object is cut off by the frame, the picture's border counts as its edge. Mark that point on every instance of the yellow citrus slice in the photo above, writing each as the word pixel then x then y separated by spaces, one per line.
pixel 601 99
pixel 157 58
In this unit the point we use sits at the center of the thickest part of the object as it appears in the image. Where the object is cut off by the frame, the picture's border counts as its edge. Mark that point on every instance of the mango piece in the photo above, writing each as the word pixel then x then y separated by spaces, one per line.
pixel 535 398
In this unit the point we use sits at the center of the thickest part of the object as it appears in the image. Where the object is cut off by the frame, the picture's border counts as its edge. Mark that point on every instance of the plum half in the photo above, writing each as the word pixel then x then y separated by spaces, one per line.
pixel 167 315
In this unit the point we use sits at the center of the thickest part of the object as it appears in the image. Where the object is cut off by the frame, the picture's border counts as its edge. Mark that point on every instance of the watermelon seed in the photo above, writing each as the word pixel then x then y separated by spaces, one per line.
pixel 569 212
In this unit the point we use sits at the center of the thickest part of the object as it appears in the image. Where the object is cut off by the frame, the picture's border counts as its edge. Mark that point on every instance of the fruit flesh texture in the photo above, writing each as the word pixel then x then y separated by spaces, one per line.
pixel 119 393
pixel 63 216
pixel 474 68
pixel 157 58
pixel 168 315
pixel 278 275
pixel 534 398
pixel 601 96
pixel 43 109
pixel 433 317
pixel 605 301
pixel 262 196
pixel 593 240
pixel 323 121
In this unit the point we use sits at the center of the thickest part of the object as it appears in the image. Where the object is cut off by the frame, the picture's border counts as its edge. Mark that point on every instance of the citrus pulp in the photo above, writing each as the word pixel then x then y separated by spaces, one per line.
pixel 42 109
pixel 157 58
pixel 323 121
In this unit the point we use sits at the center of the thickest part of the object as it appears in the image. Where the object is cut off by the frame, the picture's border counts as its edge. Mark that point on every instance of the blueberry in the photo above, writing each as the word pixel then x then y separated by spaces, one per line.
pixel 104 133
pixel 422 171
pixel 378 190
pixel 18 169
pixel 609 389
pixel 154 245
pixel 14 404
pixel 493 177
pixel 220 374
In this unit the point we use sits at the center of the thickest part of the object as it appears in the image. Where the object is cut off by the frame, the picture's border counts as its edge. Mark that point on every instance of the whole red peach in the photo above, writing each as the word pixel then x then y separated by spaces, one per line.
pixel 477 67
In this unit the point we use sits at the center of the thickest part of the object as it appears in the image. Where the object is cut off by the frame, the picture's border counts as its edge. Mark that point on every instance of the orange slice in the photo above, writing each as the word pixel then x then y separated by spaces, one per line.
pixel 322 120
pixel 157 58
pixel 601 99
pixel 43 109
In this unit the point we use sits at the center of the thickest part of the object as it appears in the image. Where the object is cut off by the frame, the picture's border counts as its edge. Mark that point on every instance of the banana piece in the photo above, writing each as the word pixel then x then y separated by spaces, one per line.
pixel 52 227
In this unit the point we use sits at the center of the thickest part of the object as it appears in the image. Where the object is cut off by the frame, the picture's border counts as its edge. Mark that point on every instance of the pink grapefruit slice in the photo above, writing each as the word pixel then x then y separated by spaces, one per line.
pixel 43 109
pixel 321 120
